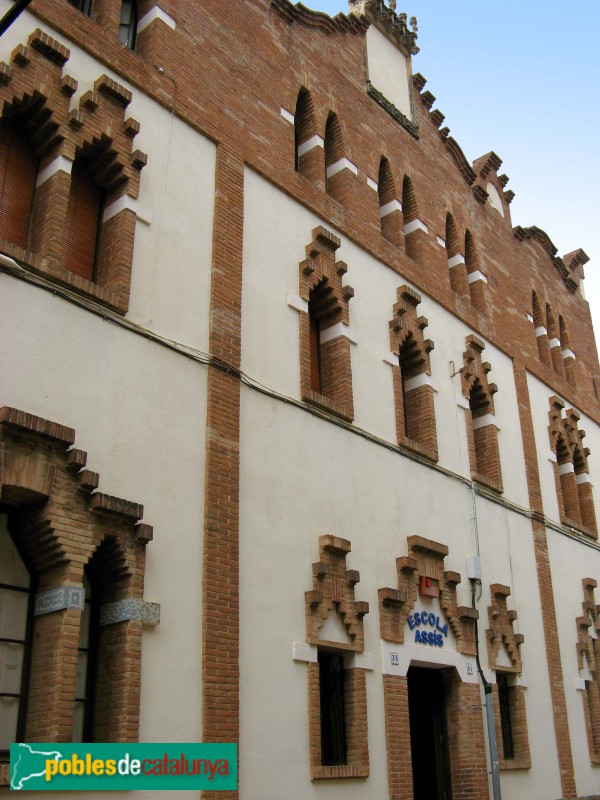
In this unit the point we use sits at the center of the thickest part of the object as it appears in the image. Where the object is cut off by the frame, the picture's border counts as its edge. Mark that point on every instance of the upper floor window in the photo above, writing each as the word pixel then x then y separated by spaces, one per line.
pixel 18 172
pixel 85 6
pixel 573 487
pixel 128 23
pixel 482 431
pixel 413 389
pixel 325 335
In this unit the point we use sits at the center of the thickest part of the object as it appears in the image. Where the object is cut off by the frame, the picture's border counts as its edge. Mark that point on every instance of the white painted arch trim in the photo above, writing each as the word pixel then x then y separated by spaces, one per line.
pixel 483 422
pixel 420 380
pixel 440 241
pixel 565 469
pixel 59 164
pixel 125 202
pixel 339 329
pixel 306 653
pixel 372 184
pixel 153 13
pixel 310 144
pixel 296 302
pixel 529 317
pixel 415 225
pixel 287 115
pixel 456 260
pixel 343 163
pixel 475 276
pixel 393 359
pixel 389 208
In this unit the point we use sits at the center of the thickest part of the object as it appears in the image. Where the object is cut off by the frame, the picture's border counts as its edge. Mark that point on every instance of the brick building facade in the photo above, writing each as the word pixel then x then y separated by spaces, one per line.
pixel 250 281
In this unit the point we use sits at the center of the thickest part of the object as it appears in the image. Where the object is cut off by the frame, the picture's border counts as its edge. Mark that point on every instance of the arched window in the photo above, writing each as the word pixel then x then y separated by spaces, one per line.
pixel 18 172
pixel 15 627
pixel 308 146
pixel 409 201
pixel 334 153
pixel 128 23
pixel 476 279
pixel 456 260
pixel 482 431
pixel 82 225
pixel 390 209
pixel 541 333
pixel 567 354
pixel 554 341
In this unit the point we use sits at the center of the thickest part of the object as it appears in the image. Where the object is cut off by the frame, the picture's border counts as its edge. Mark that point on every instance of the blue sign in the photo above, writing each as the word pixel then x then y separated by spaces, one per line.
pixel 433 636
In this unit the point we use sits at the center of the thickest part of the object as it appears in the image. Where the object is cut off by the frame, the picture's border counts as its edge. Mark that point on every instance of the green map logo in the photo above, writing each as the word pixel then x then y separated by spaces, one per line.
pixel 112 767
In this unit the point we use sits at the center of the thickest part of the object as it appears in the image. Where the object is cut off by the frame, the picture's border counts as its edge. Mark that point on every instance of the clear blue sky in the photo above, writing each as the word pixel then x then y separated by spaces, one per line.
pixel 522 79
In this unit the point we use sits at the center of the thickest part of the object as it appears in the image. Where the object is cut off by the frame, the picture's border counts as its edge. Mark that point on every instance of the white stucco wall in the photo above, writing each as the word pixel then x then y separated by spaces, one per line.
pixel 389 70
pixel 302 477
pixel 277 231
pixel 138 408
pixel 172 254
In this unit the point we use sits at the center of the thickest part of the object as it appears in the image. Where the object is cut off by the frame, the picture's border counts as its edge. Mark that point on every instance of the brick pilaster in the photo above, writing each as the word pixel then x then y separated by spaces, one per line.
pixel 542 558
pixel 220 585
pixel 397 733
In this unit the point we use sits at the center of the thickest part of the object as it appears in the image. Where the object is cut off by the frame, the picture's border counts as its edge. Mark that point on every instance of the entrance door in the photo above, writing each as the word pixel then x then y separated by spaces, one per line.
pixel 428 735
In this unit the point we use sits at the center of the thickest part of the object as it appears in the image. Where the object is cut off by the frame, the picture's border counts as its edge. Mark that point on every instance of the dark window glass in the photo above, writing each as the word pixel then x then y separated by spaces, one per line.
pixel 16 594
pixel 128 26
pixel 85 688
pixel 85 6
pixel 504 696
pixel 333 712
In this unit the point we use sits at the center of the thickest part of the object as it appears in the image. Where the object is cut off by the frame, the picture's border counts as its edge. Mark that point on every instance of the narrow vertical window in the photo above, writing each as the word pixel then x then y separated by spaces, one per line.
pixel 334 153
pixel 456 260
pixel 390 210
pixel 475 278
pixel 83 716
pixel 541 333
pixel 333 709
pixel 128 23
pixel 315 351
pixel 15 626
pixel 409 201
pixel 18 172
pixel 505 700
pixel 82 225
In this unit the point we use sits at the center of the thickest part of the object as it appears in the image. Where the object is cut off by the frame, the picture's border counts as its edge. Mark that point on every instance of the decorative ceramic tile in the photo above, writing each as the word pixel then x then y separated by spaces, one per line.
pixel 130 608
pixel 58 599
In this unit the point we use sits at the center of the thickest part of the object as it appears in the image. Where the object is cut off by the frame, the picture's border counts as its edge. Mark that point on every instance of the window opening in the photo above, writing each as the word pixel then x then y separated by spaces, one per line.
pixel 16 617
pixel 505 700
pixel 428 735
pixel 18 173
pixel 128 23
pixel 85 6
pixel 333 709
pixel 87 650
